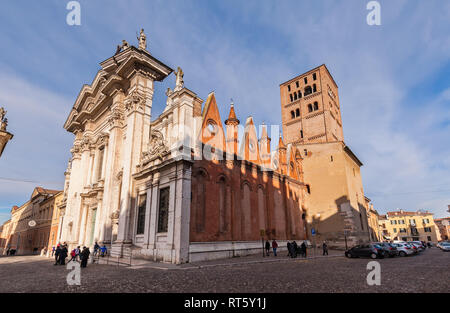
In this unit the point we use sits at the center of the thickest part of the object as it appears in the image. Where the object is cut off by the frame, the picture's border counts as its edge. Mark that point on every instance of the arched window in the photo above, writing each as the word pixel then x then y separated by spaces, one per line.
pixel 299 94
pixel 308 90
pixel 292 114
pixel 295 96
pixel 316 106
pixel 292 99
pixel 314 88
pixel 308 188
pixel 310 108
pixel 297 112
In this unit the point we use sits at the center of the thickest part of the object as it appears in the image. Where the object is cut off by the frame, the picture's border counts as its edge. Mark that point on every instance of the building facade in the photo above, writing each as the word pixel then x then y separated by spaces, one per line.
pixel 26 237
pixel 179 188
pixel 311 116
pixel 443 225
pixel 409 226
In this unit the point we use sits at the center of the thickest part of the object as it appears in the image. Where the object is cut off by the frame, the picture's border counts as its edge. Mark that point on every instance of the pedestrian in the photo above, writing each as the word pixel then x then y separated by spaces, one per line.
pixel 84 256
pixel 303 246
pixel 63 255
pixel 57 253
pixel 325 248
pixel 267 247
pixel 96 248
pixel 274 247
pixel 77 253
pixel 8 251
pixel 103 251
pixel 53 250
pixel 294 248
pixel 289 249
pixel 73 256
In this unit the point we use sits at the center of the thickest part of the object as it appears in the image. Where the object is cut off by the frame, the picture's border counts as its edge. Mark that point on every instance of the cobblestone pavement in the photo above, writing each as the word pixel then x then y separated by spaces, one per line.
pixel 427 272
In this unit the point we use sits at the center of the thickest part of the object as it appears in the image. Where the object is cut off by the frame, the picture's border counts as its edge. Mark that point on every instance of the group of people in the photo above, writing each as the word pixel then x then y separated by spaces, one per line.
pixel 76 255
pixel 10 251
pixel 293 248
pixel 103 250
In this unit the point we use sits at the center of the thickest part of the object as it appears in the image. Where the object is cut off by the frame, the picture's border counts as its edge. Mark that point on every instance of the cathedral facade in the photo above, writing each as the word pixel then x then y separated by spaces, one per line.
pixel 180 187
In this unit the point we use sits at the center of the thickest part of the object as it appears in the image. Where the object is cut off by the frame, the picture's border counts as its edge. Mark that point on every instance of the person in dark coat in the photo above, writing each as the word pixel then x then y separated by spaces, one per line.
pixel 325 248
pixel 85 256
pixel 289 249
pixel 294 249
pixel 303 246
pixel 57 253
pixel 267 247
pixel 96 248
pixel 63 255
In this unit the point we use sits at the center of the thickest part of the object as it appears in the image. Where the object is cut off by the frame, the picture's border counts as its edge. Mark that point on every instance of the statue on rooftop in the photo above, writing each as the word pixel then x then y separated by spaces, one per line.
pixel 179 83
pixel 2 114
pixel 142 40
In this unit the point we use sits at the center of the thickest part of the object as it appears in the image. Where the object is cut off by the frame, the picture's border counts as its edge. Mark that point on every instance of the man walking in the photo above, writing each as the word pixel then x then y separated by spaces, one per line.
pixel 96 248
pixel 274 247
pixel 57 253
pixel 325 248
pixel 267 247
pixel 63 255
pixel 85 256
pixel 294 249
pixel 303 246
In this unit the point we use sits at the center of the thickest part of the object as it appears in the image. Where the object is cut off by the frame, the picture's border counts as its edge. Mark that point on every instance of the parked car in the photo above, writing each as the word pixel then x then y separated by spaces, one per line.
pixel 418 247
pixel 420 243
pixel 445 246
pixel 365 250
pixel 404 249
pixel 389 249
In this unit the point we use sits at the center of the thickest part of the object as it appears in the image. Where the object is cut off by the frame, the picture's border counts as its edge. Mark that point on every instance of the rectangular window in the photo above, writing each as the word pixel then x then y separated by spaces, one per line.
pixel 395 230
pixel 314 76
pixel 429 238
pixel 306 80
pixel 289 87
pixel 301 134
pixel 296 84
pixel 140 229
pixel 163 215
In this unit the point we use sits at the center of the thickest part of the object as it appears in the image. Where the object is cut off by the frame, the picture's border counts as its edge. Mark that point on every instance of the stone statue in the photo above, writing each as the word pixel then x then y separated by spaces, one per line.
pixel 169 92
pixel 3 124
pixel 125 44
pixel 2 114
pixel 142 40
pixel 179 83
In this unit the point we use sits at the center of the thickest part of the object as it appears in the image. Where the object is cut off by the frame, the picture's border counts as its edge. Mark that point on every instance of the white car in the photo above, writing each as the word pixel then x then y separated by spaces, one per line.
pixel 418 246
pixel 404 249
pixel 444 246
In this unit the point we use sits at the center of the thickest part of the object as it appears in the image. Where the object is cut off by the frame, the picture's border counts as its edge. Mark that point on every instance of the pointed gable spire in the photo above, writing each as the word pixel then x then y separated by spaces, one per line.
pixel 281 144
pixel 250 148
pixel 232 116
pixel 212 130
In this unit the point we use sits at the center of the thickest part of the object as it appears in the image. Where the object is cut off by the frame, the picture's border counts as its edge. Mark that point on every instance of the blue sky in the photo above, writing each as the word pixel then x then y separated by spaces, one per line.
pixel 394 79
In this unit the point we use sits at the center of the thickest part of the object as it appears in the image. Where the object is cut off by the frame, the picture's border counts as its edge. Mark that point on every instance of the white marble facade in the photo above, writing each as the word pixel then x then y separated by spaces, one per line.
pixel 121 161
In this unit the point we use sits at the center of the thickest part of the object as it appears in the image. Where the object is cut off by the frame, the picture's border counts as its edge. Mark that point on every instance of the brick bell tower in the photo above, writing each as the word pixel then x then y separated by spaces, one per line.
pixel 310 109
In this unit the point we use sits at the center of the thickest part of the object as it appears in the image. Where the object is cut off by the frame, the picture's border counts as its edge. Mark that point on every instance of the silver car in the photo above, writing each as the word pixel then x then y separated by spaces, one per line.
pixel 445 246
pixel 404 249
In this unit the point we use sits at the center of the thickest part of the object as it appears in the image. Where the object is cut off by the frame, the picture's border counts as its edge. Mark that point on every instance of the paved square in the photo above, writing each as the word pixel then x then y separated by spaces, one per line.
pixel 427 272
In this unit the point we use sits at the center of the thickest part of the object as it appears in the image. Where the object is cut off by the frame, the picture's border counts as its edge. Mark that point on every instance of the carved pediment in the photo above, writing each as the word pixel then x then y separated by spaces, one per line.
pixel 157 148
